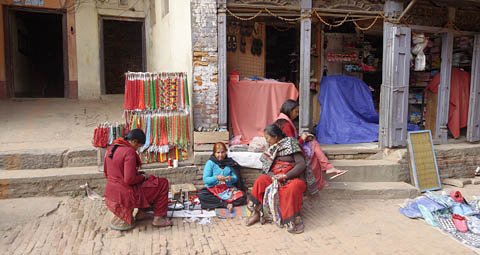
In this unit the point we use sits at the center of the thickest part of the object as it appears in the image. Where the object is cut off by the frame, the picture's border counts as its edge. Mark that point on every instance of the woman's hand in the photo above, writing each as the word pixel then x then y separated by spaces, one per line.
pixel 307 137
pixel 228 178
pixel 280 177
pixel 304 136
pixel 221 178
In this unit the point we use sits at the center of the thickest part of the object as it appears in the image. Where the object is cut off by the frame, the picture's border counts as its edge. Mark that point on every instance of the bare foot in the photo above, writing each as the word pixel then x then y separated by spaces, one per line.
pixel 161 221
pixel 336 173
pixel 143 215
pixel 230 208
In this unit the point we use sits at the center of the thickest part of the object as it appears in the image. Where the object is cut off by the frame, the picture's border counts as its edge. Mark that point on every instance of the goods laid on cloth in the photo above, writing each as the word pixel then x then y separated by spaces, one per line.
pixel 449 212
pixel 254 104
pixel 459 95
pixel 105 134
pixel 348 114
pixel 158 103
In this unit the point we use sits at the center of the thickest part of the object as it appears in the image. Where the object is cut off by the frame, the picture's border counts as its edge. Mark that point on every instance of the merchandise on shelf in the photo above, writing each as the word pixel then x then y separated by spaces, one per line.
pixel 351 56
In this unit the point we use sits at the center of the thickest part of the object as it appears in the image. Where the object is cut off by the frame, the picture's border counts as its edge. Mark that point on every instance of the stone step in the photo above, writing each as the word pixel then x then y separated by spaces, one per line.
pixel 67 181
pixel 369 190
pixel 371 171
pixel 48 158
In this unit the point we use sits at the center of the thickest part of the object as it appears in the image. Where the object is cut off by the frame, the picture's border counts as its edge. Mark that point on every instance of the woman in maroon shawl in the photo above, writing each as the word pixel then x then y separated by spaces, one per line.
pixel 127 188
pixel 318 161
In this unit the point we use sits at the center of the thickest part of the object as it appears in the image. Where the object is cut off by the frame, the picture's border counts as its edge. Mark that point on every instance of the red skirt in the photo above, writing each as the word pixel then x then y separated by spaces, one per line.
pixel 227 194
pixel 153 191
pixel 290 192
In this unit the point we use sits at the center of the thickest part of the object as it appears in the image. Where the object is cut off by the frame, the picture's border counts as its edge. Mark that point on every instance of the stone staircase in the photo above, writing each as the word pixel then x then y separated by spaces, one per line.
pixel 372 174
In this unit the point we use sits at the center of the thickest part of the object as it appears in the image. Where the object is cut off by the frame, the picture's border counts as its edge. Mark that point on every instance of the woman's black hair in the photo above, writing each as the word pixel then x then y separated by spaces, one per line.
pixel 288 106
pixel 274 131
pixel 134 134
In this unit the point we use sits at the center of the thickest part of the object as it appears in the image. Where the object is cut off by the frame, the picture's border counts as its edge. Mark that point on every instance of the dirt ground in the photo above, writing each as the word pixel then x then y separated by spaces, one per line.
pixel 43 123
pixel 80 226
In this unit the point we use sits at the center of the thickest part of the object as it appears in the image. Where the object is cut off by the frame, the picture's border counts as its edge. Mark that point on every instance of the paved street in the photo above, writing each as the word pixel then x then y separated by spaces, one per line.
pixel 80 226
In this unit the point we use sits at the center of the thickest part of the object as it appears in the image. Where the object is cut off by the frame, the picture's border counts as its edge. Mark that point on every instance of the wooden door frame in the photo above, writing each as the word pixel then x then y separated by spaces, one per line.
pixel 101 18
pixel 9 68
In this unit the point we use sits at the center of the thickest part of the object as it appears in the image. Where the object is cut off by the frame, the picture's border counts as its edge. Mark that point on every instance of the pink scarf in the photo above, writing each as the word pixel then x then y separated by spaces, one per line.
pixel 285 117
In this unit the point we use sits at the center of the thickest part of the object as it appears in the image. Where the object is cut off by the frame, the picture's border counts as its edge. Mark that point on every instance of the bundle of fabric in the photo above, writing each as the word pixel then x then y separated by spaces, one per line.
pixel 449 212
pixel 105 134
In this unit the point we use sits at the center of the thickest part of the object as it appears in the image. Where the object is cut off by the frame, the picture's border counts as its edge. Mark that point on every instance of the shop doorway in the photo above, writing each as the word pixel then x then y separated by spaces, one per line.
pixel 281 59
pixel 122 49
pixel 35 53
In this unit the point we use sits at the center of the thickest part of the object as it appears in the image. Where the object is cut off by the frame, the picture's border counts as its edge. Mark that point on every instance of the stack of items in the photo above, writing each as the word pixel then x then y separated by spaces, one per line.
pixel 158 103
pixel 462 54
pixel 105 134
pixel 448 212
pixel 343 57
pixel 421 79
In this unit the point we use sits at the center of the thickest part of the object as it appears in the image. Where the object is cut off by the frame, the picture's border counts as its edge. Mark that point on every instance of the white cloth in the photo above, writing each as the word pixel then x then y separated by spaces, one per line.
pixel 247 158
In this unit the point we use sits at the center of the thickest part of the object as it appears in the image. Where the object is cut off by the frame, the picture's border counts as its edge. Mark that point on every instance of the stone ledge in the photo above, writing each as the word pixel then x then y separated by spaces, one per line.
pixel 369 190
pixel 51 158
pixel 60 182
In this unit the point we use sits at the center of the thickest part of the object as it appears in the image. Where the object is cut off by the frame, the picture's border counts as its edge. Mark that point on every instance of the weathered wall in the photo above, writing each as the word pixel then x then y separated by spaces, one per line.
pixel 205 64
pixel 170 49
pixel 246 63
pixel 455 160
pixel 88 41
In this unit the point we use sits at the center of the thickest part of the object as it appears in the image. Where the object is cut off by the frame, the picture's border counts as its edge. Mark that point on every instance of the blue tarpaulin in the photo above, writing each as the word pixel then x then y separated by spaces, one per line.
pixel 348 115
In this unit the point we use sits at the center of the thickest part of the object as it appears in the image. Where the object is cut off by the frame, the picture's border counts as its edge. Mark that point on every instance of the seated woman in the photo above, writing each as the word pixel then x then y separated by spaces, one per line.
pixel 220 176
pixel 318 161
pixel 285 162
pixel 127 188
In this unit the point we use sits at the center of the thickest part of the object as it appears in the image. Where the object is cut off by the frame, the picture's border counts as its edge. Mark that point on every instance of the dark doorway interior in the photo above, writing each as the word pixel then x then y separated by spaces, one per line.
pixel 37 54
pixel 282 57
pixel 123 51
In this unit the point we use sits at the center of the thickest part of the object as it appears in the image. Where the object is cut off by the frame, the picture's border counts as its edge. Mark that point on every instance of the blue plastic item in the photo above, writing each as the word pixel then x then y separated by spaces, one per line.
pixel 427 216
pixel 348 115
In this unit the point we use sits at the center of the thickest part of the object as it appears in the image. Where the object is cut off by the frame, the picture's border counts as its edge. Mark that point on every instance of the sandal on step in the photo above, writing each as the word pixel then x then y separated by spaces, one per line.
pixel 299 227
pixel 291 228
pixel 120 225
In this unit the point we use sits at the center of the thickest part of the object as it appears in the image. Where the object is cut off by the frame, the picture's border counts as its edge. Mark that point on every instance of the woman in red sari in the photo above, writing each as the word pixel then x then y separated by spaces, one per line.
pixel 127 188
pixel 283 161
pixel 318 161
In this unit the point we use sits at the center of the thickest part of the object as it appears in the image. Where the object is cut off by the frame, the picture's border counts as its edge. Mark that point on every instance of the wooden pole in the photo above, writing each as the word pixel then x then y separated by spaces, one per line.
pixel 305 119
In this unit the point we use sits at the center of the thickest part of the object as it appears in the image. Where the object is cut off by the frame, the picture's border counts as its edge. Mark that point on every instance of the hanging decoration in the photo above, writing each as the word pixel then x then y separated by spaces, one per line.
pixel 158 103
pixel 348 17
